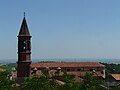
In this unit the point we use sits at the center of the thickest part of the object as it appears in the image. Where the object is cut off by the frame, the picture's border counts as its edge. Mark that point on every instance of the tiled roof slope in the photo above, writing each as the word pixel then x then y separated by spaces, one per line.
pixel 66 64
pixel 116 76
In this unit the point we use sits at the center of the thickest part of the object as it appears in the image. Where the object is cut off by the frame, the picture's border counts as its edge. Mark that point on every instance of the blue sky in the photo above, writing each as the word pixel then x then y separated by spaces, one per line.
pixel 62 28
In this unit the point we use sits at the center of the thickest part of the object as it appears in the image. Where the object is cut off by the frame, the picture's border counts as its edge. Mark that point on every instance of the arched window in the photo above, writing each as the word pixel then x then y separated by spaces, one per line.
pixel 28 45
pixel 24 45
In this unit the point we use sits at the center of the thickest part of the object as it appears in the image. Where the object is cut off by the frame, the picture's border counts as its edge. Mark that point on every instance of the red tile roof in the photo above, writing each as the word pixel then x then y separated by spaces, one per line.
pixel 116 76
pixel 65 64
pixel 14 75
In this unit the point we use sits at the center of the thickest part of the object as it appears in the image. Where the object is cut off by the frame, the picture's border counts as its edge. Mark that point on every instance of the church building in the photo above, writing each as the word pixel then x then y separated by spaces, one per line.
pixel 25 68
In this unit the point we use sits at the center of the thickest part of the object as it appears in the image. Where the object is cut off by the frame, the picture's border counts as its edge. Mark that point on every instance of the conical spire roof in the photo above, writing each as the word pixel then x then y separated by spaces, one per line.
pixel 24 29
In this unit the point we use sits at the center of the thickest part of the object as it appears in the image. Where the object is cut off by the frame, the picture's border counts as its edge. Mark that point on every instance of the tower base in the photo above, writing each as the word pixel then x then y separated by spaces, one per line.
pixel 21 80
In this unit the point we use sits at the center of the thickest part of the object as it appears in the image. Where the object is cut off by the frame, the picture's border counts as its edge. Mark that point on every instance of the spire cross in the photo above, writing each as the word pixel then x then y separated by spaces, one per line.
pixel 24 14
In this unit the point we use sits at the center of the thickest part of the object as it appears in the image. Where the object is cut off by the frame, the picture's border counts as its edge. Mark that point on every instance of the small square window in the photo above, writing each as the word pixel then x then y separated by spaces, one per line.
pixel 78 69
pixel 91 69
pixel 68 69
pixel 102 72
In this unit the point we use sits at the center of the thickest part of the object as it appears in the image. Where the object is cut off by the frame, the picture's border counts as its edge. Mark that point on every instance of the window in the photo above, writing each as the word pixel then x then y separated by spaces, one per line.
pixel 24 45
pixel 91 69
pixel 28 45
pixel 68 69
pixel 102 72
pixel 79 69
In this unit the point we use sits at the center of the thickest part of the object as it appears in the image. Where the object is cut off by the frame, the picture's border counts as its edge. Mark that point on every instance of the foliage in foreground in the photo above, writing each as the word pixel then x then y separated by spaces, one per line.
pixel 5 82
pixel 44 83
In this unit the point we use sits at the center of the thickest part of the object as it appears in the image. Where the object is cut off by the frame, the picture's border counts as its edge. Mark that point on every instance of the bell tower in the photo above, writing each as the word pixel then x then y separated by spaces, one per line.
pixel 24 53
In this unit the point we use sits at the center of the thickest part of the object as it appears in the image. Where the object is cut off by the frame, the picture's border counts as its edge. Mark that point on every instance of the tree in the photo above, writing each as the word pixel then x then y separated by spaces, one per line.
pixel 68 78
pixel 5 82
pixel 40 83
pixel 44 83
pixel 90 84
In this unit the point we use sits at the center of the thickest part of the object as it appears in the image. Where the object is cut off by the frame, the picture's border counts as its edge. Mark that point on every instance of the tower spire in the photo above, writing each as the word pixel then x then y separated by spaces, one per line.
pixel 24 31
